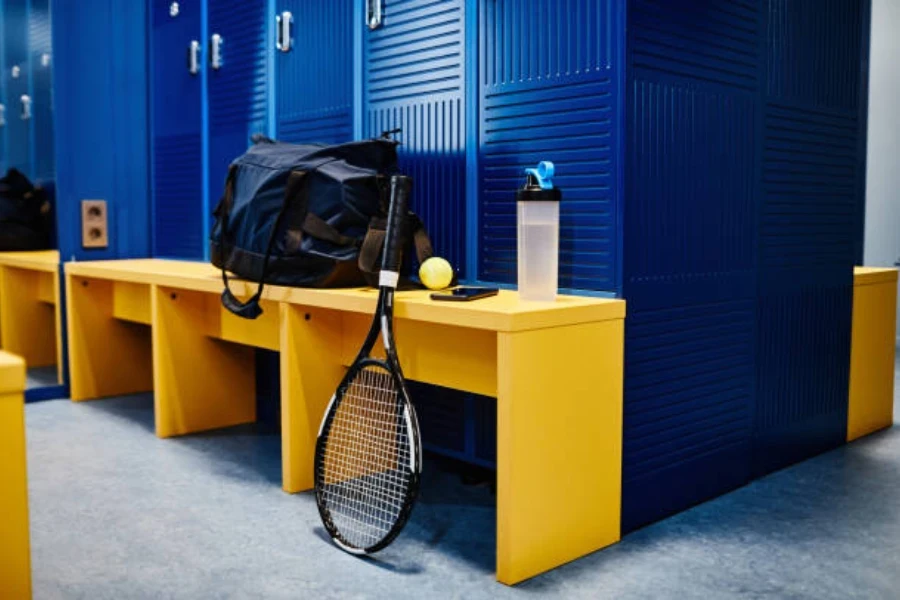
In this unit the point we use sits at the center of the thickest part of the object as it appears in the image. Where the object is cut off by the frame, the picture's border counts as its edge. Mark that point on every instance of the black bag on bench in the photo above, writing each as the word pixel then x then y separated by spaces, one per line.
pixel 26 219
pixel 300 215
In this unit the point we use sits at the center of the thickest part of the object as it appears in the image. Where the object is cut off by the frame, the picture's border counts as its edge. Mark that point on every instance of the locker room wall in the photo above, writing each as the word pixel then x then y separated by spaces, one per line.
pixel 4 99
pixel 15 40
pixel 41 64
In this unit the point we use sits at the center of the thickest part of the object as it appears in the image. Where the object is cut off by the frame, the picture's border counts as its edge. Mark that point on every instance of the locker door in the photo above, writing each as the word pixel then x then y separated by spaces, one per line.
pixel 40 49
pixel 237 84
pixel 176 96
pixel 315 76
pixel 414 78
pixel 17 75
pixel 4 111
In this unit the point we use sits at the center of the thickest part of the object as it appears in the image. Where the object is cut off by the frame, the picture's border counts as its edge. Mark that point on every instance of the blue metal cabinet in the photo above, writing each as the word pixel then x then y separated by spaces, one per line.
pixel 4 102
pixel 177 128
pixel 414 79
pixel 17 75
pixel 314 73
pixel 550 87
pixel 40 51
pixel 237 83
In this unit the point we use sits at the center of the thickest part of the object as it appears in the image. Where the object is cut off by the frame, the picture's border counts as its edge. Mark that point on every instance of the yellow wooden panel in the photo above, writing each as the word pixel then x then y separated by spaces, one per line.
pixel 262 332
pixel 504 312
pixel 872 358
pixel 35 260
pixel 200 383
pixel 453 357
pixel 107 356
pixel 15 555
pixel 46 287
pixel 310 372
pixel 27 326
pixel 131 302
pixel 866 275
pixel 559 446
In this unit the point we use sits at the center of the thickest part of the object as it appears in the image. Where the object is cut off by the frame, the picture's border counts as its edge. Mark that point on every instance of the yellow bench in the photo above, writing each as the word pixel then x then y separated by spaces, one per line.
pixel 555 368
pixel 15 555
pixel 872 351
pixel 29 307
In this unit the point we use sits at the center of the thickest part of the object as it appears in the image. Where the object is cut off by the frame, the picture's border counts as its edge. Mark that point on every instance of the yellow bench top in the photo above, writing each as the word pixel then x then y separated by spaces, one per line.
pixel 12 373
pixel 37 260
pixel 868 275
pixel 504 312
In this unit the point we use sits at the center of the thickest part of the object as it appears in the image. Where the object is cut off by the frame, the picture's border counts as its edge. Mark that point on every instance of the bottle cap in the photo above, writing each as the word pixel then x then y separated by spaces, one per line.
pixel 539 185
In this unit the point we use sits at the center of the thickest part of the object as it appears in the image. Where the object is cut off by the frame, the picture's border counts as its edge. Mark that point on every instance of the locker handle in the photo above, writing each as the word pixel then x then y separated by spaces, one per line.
pixel 26 107
pixel 2 115
pixel 283 40
pixel 193 57
pixel 215 51
pixel 373 14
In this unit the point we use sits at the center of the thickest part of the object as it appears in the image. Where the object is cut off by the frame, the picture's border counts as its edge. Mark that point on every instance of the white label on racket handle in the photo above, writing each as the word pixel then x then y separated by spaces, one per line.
pixel 388 279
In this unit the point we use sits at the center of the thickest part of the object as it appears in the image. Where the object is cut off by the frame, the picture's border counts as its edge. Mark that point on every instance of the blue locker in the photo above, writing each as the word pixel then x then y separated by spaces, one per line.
pixel 314 77
pixel 42 86
pixel 4 102
pixel 689 253
pixel 238 86
pixel 177 128
pixel 17 74
pixel 414 79
pixel 550 88
pixel 813 170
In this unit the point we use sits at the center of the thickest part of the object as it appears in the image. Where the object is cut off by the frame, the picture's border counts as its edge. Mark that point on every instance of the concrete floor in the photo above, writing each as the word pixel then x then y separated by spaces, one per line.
pixel 117 513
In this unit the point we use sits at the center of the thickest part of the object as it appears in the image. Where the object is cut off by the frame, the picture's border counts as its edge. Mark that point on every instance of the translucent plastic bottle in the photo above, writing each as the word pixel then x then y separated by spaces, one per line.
pixel 538 210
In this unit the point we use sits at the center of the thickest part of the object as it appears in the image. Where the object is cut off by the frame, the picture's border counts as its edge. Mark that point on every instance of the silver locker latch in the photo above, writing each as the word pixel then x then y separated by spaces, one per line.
pixel 373 14
pixel 215 51
pixel 283 38
pixel 2 115
pixel 193 57
pixel 26 107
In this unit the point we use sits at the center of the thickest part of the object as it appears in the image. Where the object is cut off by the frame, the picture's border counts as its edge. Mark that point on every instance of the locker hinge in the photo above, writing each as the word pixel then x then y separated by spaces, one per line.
pixel 2 115
pixel 284 41
pixel 193 57
pixel 215 51
pixel 26 107
pixel 373 13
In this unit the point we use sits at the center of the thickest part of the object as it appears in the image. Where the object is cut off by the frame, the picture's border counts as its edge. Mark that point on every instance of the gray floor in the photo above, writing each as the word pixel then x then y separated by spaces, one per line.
pixel 117 513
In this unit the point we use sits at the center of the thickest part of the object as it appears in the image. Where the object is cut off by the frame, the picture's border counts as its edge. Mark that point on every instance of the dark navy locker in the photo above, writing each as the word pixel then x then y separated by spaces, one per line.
pixel 4 102
pixel 177 128
pixel 414 79
pixel 689 253
pixel 237 82
pixel 314 73
pixel 41 49
pixel 812 180
pixel 550 87
pixel 18 87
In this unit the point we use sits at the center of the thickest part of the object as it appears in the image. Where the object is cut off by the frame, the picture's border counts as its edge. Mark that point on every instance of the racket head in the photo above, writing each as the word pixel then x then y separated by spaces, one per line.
pixel 368 459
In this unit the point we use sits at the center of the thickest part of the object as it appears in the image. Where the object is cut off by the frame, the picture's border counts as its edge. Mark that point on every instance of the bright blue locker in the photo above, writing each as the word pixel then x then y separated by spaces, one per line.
pixel 813 170
pixel 414 79
pixel 550 88
pixel 18 87
pixel 237 88
pixel 177 128
pixel 314 77
pixel 40 48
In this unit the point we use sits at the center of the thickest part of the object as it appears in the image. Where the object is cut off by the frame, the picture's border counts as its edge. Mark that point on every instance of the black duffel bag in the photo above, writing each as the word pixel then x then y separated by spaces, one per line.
pixel 298 215
pixel 26 219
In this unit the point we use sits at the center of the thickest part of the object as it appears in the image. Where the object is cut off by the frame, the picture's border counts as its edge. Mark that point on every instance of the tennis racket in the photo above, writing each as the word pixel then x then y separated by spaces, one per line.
pixel 368 453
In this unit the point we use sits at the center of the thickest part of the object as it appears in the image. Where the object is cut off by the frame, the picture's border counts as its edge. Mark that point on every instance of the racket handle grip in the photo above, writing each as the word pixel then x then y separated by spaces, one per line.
pixel 401 188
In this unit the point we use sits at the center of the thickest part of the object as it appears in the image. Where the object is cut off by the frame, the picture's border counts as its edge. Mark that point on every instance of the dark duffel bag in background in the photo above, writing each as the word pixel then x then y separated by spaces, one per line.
pixel 26 219
pixel 298 215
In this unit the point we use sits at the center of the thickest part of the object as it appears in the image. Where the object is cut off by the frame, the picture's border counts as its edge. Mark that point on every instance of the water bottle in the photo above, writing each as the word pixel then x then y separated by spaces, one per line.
pixel 538 212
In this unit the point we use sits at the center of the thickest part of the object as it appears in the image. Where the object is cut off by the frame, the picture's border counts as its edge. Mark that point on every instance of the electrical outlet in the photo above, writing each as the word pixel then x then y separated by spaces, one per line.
pixel 94 224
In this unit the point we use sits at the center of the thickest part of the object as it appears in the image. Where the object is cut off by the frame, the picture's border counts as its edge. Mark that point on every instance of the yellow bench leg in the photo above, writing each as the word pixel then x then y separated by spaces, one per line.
pixel 27 325
pixel 107 357
pixel 310 371
pixel 559 446
pixel 15 555
pixel 200 383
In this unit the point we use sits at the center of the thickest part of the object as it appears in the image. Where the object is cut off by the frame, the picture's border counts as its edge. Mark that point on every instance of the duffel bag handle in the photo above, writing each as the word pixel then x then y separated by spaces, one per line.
pixel 250 309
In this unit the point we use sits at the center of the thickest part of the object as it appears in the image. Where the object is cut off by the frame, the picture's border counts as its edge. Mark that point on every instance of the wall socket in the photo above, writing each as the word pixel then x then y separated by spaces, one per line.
pixel 94 224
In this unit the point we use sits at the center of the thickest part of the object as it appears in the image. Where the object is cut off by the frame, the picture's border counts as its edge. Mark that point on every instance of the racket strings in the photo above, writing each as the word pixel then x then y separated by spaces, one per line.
pixel 365 472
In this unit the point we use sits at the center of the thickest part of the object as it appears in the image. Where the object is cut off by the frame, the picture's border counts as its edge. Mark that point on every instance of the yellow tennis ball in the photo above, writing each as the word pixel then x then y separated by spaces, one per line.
pixel 436 273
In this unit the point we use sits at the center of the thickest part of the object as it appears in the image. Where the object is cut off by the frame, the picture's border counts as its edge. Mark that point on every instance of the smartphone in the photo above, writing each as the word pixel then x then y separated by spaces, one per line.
pixel 465 294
